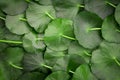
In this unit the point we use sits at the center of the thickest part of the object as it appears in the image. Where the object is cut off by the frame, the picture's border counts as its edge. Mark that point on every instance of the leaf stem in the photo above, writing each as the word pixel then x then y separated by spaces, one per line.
pixel 10 41
pixel 2 18
pixel 71 38
pixel 23 19
pixel 50 16
pixel 93 29
pixel 110 4
pixel 80 6
pixel 39 39
pixel 117 30
pixel 71 71
pixel 13 65
pixel 28 1
pixel 49 67
pixel 117 62
pixel 86 53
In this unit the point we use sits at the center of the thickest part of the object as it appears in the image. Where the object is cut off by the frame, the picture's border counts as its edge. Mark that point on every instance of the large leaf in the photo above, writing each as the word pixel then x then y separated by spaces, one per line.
pixel 33 61
pixel 37 16
pixel 56 32
pixel 105 61
pixel 13 7
pixel 14 55
pixel 77 49
pixel 15 25
pixel 31 42
pixel 58 75
pixel 83 73
pixel 109 30
pixel 100 7
pixel 83 23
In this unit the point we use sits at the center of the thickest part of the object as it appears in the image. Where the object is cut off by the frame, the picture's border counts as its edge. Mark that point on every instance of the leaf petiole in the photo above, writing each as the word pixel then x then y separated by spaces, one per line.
pixel 86 53
pixel 93 29
pixel 117 62
pixel 2 18
pixel 46 66
pixel 17 67
pixel 67 37
pixel 71 72
pixel 110 4
pixel 39 39
pixel 23 19
pixel 80 6
pixel 50 16
pixel 117 30
pixel 10 41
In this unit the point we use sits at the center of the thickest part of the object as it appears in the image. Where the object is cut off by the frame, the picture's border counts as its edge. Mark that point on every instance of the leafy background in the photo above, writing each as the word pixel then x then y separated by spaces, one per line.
pixel 59 39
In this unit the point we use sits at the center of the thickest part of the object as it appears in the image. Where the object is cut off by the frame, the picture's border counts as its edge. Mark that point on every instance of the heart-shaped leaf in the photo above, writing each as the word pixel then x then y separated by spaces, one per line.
pixel 58 35
pixel 39 16
pixel 84 25
pixel 15 25
pixel 110 31
pixel 105 61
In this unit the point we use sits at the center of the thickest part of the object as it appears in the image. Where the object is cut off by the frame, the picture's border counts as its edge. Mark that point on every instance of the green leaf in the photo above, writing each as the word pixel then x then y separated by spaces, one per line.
pixel 15 25
pixel 77 49
pixel 83 25
pixel 105 61
pixel 38 16
pixel 32 42
pixel 33 61
pixel 58 75
pixel 13 7
pixel 109 30
pixel 100 7
pixel 52 56
pixel 59 34
pixel 117 12
pixel 83 73
pixel 14 56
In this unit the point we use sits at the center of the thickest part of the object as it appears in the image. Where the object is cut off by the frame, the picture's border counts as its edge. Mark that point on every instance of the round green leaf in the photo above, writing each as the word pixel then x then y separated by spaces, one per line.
pixel 31 42
pixel 83 73
pixel 13 7
pixel 15 25
pixel 105 61
pixel 77 49
pixel 39 16
pixel 55 34
pixel 83 23
pixel 109 30
pixel 117 12
pixel 52 56
pixel 58 75
pixel 100 7
pixel 33 61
